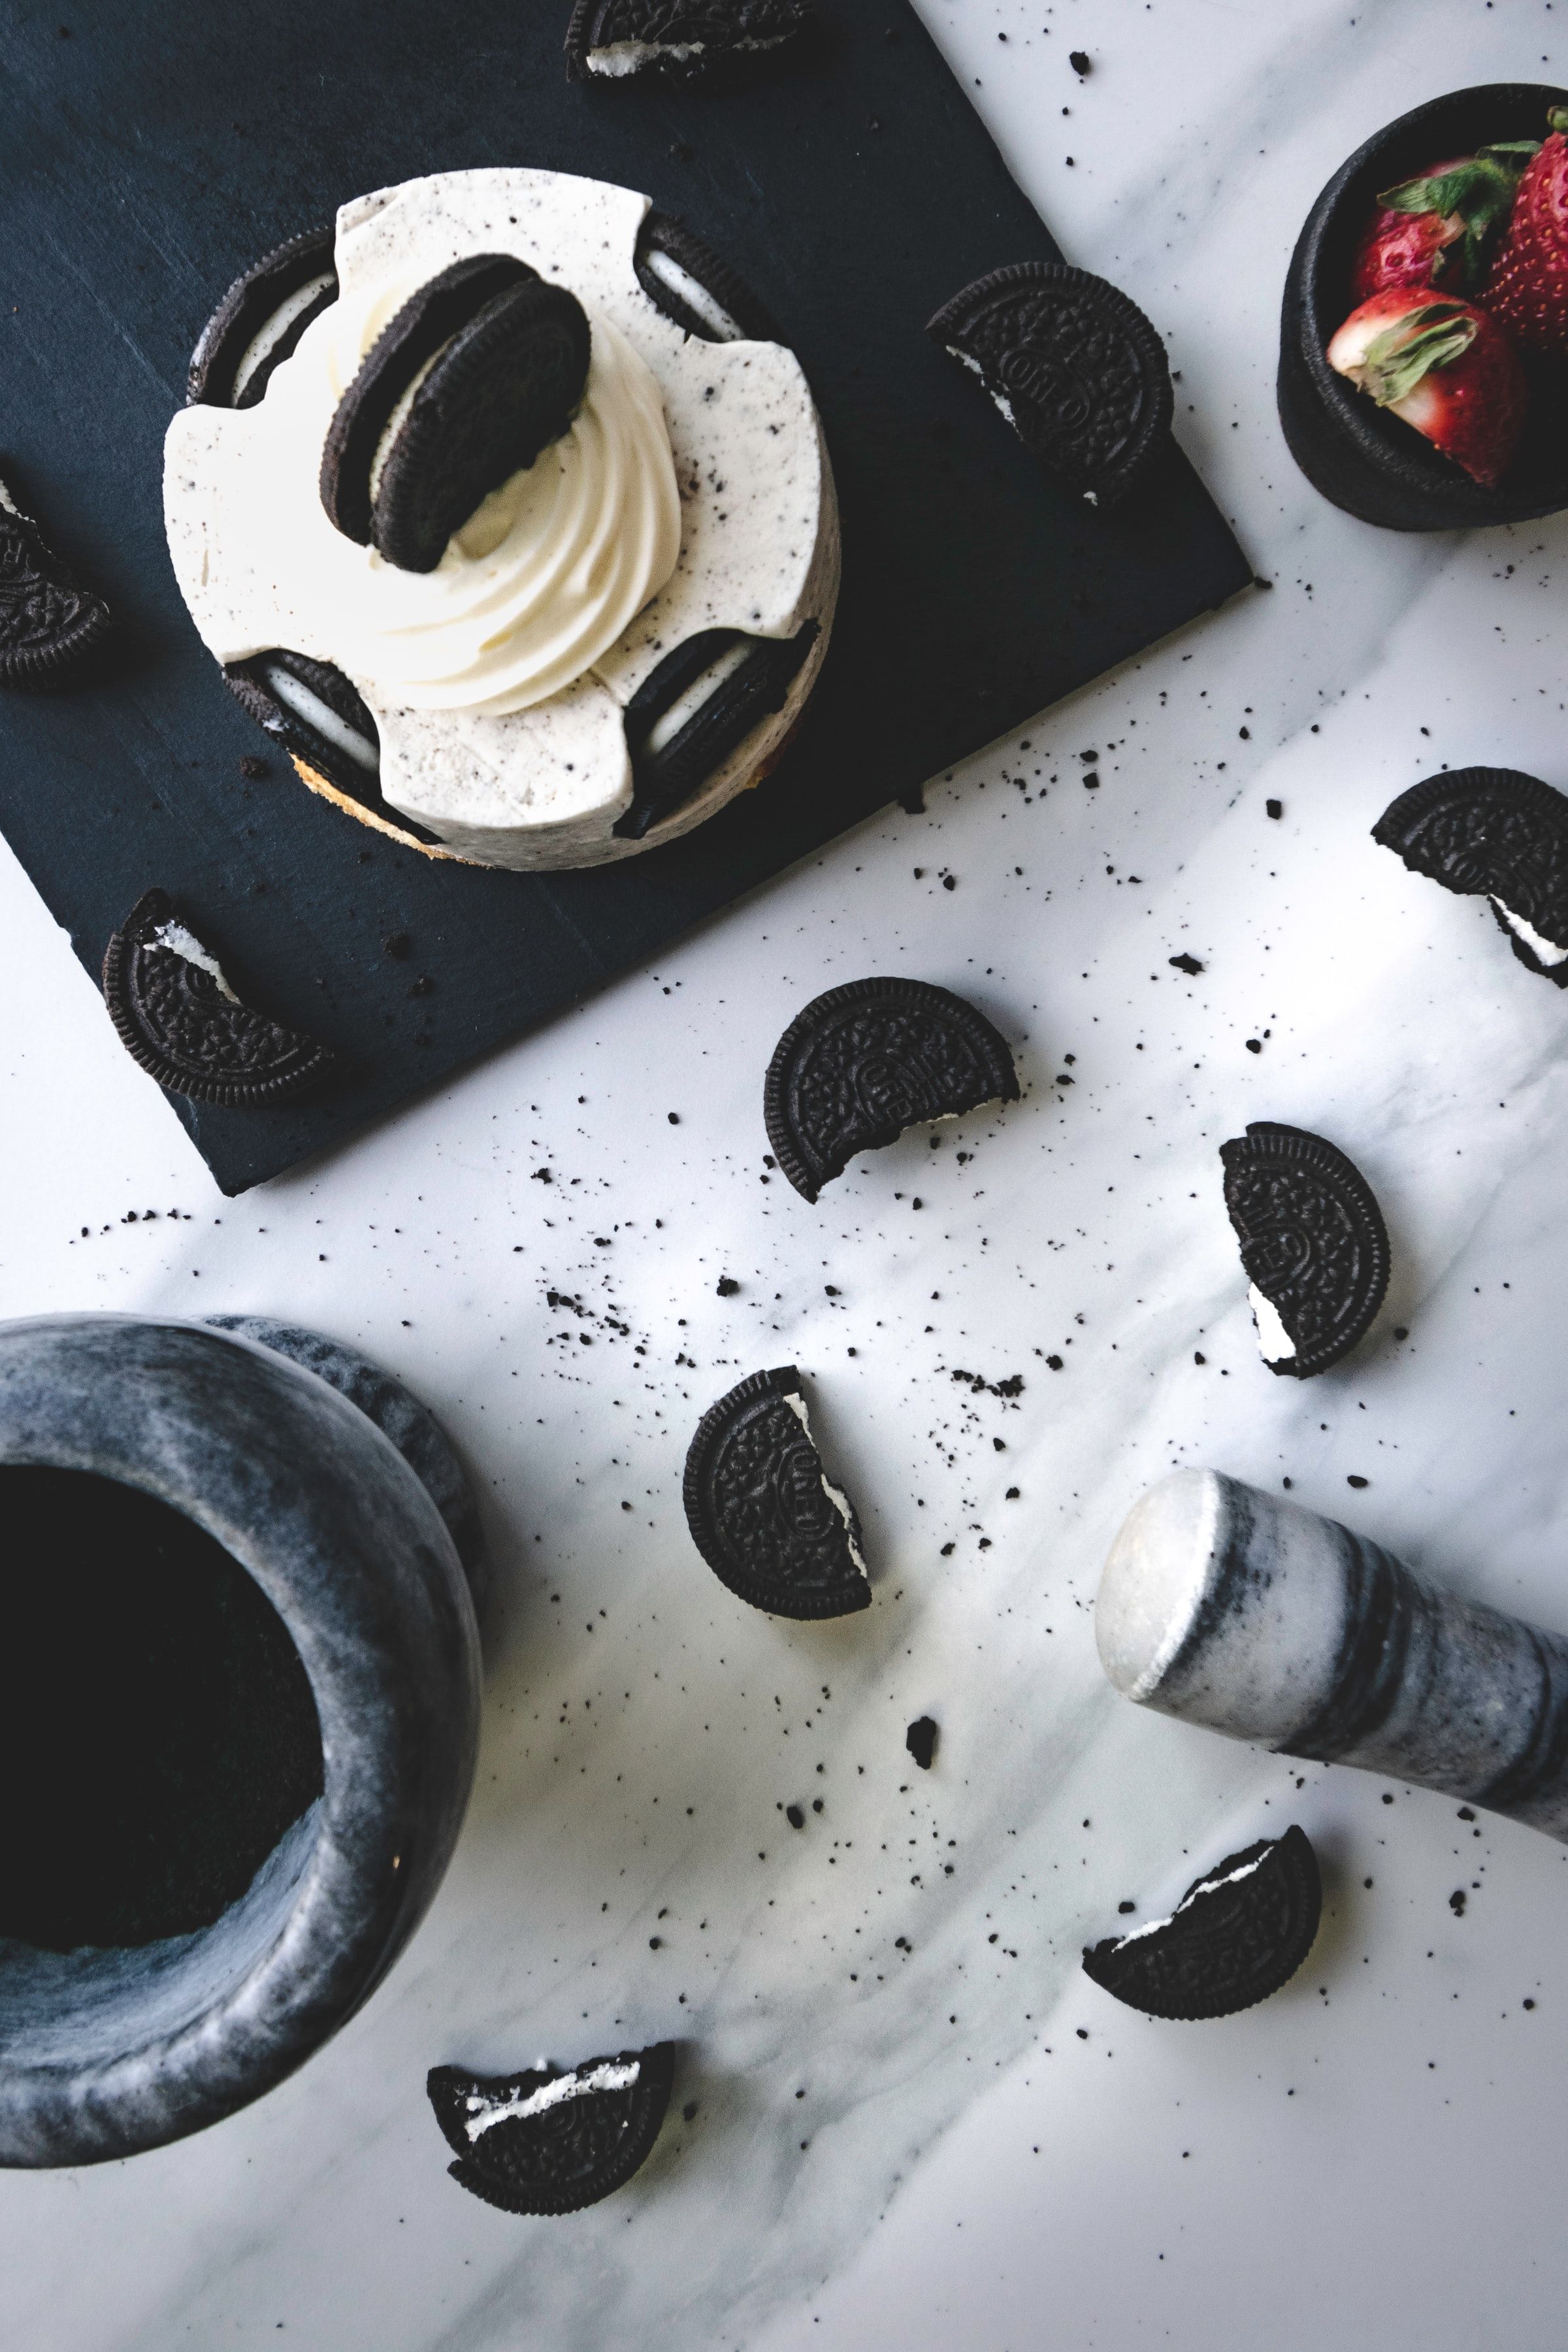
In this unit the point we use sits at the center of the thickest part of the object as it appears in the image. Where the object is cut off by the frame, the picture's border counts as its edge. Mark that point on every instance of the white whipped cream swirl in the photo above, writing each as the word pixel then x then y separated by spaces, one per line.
pixel 540 581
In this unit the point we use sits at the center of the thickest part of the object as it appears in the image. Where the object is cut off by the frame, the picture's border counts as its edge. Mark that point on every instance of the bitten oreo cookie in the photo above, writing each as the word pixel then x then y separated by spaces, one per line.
pixel 51 627
pixel 1312 1240
pixel 682 40
pixel 553 2139
pixel 478 372
pixel 761 1508
pixel 179 1018
pixel 1238 1934
pixel 1493 833
pixel 259 321
pixel 695 288
pixel 866 1061
pixel 1075 367
pixel 696 708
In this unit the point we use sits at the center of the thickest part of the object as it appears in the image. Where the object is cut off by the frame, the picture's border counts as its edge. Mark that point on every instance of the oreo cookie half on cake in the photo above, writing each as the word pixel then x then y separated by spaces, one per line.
pixel 554 2139
pixel 482 368
pixel 866 1061
pixel 763 1511
pixel 51 628
pixel 553 579
pixel 1074 366
pixel 1497 834
pixel 682 40
pixel 1313 1243
pixel 260 321
pixel 1237 1935
pixel 178 1017
pixel 312 710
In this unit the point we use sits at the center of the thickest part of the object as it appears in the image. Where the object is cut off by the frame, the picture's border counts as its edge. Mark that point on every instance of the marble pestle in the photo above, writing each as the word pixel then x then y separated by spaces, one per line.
pixel 1245 1613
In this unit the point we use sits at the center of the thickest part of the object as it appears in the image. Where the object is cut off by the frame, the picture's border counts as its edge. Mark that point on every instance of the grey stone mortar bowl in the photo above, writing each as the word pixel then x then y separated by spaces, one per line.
pixel 1375 466
pixel 338 1496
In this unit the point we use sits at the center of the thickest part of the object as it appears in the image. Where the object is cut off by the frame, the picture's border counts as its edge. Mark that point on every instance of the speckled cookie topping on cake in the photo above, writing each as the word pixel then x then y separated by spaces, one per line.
pixel 685 492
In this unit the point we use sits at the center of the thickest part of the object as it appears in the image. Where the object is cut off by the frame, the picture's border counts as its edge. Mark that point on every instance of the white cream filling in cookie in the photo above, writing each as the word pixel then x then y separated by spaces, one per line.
pixel 1543 950
pixel 613 2075
pixel 1275 1343
pixel 483 742
pixel 836 1495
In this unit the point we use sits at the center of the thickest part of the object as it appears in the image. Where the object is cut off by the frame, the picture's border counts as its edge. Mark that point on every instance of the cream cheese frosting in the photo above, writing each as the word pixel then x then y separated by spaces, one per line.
pixel 692 493
pixel 540 581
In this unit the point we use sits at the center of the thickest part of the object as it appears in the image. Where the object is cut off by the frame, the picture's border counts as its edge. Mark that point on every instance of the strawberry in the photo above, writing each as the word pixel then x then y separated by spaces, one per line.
pixel 1435 230
pixel 1527 292
pixel 1445 367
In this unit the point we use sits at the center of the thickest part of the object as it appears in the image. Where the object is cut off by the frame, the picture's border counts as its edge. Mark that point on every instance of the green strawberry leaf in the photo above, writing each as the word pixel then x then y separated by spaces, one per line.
pixel 1435 336
pixel 1478 192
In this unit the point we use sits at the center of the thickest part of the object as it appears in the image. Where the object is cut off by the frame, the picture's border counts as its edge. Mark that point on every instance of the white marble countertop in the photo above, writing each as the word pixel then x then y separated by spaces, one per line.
pixel 962 2142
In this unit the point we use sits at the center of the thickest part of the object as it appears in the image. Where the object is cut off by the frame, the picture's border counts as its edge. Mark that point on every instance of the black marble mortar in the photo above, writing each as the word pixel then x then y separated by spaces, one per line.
pixel 1373 465
pixel 246 1697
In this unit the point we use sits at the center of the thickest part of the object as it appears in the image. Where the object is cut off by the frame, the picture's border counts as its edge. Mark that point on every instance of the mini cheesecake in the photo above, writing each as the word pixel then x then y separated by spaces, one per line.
pixel 623 633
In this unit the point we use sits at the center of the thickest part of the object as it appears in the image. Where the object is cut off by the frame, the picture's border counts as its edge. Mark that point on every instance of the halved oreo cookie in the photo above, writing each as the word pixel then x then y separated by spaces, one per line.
pixel 553 2139
pixel 1312 1240
pixel 314 712
pixel 695 289
pixel 51 627
pixel 1075 367
pixel 478 372
pixel 682 40
pixel 696 707
pixel 1238 1934
pixel 762 1510
pixel 1493 833
pixel 866 1061
pixel 259 321
pixel 179 1018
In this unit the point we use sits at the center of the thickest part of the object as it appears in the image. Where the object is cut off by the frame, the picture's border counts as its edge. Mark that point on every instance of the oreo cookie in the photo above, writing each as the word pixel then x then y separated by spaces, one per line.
pixel 682 40
pixel 1237 1935
pixel 762 1511
pixel 259 321
pixel 179 1018
pixel 553 2139
pixel 479 372
pixel 869 1059
pixel 316 714
pixel 1075 367
pixel 697 291
pixel 696 708
pixel 52 629
pixel 1312 1240
pixel 1497 834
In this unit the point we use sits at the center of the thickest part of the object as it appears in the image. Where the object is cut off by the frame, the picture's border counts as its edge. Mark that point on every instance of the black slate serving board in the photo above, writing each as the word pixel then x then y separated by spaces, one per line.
pixel 147 156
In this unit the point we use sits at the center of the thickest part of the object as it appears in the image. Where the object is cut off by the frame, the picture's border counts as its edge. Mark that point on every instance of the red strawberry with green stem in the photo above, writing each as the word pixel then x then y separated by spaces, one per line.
pixel 1527 291
pixel 1434 230
pixel 1445 367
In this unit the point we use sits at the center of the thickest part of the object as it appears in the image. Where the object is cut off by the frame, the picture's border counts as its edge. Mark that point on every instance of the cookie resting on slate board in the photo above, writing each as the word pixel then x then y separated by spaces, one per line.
pixel 1012 590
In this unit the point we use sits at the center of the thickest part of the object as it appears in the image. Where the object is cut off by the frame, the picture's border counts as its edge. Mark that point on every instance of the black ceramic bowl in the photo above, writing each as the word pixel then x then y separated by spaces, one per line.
pixel 1368 462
